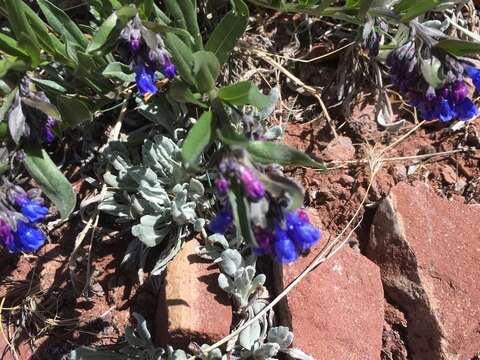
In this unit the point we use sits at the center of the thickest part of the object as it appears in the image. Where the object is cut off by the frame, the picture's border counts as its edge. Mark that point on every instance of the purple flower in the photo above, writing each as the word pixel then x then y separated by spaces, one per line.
pixel 459 91
pixel 222 185
pixel 168 68
pixel 284 248
pixel 6 236
pixel 474 74
pixel 47 130
pixel 265 240
pixel 253 187
pixel 466 109
pixel 145 79
pixel 33 210
pixel 222 221
pixel 299 229
pixel 135 40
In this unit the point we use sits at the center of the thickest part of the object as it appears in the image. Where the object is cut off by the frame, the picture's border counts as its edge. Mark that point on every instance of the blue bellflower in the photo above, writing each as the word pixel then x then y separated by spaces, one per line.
pixel 168 68
pixel 443 110
pixel 466 109
pixel 28 238
pixel 301 231
pixel 33 210
pixel 474 74
pixel 284 250
pixel 6 236
pixel 145 80
pixel 222 221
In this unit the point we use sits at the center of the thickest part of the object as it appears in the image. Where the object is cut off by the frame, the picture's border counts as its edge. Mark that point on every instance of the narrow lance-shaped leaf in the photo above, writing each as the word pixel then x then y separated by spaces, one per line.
pixel 226 34
pixel 199 136
pixel 205 69
pixel 244 92
pixel 189 10
pixel 52 182
pixel 459 47
pixel 62 23
pixel 267 152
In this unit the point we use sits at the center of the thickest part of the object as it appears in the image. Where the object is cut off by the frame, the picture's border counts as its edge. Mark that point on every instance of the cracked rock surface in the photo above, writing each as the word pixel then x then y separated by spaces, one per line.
pixel 428 250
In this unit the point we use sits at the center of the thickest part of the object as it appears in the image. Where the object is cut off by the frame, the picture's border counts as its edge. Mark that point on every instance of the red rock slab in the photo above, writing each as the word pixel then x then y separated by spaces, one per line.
pixel 428 250
pixel 336 311
pixel 192 307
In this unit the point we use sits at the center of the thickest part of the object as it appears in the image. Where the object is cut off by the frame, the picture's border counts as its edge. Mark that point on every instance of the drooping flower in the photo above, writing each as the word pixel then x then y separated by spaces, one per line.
pixel 303 234
pixel 474 74
pixel 145 79
pixel 6 236
pixel 167 67
pixel 28 238
pixel 466 109
pixel 47 131
pixel 254 188
pixel 222 221
pixel 222 185
pixel 33 210
pixel 284 249
pixel 265 240
pixel 443 110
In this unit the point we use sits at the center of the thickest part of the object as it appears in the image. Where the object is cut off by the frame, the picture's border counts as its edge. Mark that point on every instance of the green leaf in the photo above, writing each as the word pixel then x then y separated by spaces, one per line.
pixel 49 85
pixel 459 47
pixel 12 47
pixel 241 213
pixel 176 13
pixel 103 33
pixel 267 152
pixel 182 57
pixel 199 136
pixel 146 8
pixel 416 8
pixel 227 32
pixel 27 42
pixel 52 182
pixel 364 7
pixel 73 111
pixel 205 70
pixel 160 28
pixel 244 92
pixel 62 23
pixel 180 92
pixel 119 71
pixel 17 19
pixel 189 10
pixel 43 106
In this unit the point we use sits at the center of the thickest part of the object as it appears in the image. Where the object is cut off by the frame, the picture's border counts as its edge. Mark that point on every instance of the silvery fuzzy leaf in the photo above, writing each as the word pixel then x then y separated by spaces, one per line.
pixel 117 155
pixel 250 335
pixel 298 354
pixel 265 351
pixel 151 230
pixel 225 283
pixel 111 207
pixel 273 133
pixel 280 335
pixel 196 187
pixel 179 355
pixel 17 121
pixel 158 111
pixel 110 179
pixel 215 354
pixel 259 280
pixel 142 327
pixel 244 276
pixel 174 245
pixel 218 239
pixel 137 207
pixel 231 261
pixel 199 224
pixel 142 174
pixel 133 339
pixel 183 213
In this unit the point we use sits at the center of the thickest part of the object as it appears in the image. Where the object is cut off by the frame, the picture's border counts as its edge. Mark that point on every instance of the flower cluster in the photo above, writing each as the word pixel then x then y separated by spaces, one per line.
pixel 447 102
pixel 371 37
pixel 20 211
pixel 25 119
pixel 278 232
pixel 146 57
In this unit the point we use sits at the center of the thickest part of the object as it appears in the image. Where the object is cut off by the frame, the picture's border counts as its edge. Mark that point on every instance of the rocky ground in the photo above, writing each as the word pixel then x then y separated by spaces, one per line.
pixel 405 286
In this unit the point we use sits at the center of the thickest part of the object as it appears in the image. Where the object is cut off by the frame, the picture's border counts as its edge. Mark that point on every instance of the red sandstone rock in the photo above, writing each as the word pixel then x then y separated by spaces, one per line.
pixel 192 307
pixel 428 250
pixel 336 312
pixel 340 148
